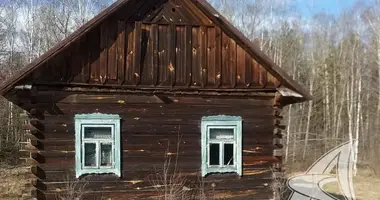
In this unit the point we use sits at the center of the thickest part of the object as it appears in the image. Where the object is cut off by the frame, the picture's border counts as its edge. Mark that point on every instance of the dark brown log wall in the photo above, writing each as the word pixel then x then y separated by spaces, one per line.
pixel 151 131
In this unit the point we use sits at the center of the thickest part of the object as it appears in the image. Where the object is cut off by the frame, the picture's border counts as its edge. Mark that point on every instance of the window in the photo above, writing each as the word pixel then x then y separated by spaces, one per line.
pixel 221 145
pixel 97 144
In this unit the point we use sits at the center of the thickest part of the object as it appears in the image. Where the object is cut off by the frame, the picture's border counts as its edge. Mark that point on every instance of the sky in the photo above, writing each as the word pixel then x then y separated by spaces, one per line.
pixel 333 7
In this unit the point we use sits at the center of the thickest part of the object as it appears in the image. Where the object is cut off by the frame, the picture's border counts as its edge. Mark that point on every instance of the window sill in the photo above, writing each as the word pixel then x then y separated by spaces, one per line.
pixel 222 175
pixel 221 170
pixel 86 172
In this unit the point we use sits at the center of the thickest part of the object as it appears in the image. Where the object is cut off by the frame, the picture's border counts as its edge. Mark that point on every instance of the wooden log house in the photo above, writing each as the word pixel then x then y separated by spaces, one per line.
pixel 148 82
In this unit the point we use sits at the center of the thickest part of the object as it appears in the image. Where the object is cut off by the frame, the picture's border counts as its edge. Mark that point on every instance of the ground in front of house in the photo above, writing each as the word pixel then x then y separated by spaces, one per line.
pixel 366 184
pixel 13 181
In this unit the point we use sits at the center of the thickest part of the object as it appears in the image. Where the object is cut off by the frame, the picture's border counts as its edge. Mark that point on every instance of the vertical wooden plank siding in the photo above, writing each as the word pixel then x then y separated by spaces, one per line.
pixel 46 73
pixel 155 50
pixel 64 65
pixel 103 52
pixel 57 66
pixel 233 67
pixel 270 81
pixel 248 69
pixel 94 50
pixel 172 54
pixel 55 70
pixel 226 68
pixel 263 76
pixel 188 54
pixel 85 60
pixel 196 73
pixel 67 56
pixel 241 81
pixel 75 62
pixel 181 74
pixel 129 70
pixel 163 55
pixel 203 55
pixel 137 56
pixel 211 57
pixel 146 55
pixel 255 74
pixel 112 42
pixel 121 51
pixel 218 57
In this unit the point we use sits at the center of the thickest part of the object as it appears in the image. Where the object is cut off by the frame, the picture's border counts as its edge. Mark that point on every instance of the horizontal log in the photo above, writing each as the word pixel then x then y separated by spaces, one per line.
pixel 36 124
pixel 149 90
pixel 147 130
pixel 32 130
pixel 37 144
pixel 278 175
pixel 159 143
pixel 38 194
pixel 278 142
pixel 38 157
pixel 149 163
pixel 38 184
pixel 280 126
pixel 141 154
pixel 277 152
pixel 24 116
pixel 258 194
pixel 137 121
pixel 66 107
pixel 34 112
pixel 277 121
pixel 38 172
pixel 220 182
pixel 277 167
pixel 145 174
pixel 67 97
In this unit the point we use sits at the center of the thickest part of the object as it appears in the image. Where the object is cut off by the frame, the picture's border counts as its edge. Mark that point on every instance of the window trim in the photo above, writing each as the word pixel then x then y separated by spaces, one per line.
pixel 97 120
pixel 220 122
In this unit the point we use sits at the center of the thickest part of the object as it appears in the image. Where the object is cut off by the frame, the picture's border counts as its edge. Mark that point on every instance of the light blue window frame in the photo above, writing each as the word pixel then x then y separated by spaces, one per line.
pixel 83 121
pixel 222 122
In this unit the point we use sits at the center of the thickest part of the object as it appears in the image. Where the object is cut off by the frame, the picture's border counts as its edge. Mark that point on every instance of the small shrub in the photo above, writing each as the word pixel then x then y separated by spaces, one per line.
pixel 9 153
pixel 74 189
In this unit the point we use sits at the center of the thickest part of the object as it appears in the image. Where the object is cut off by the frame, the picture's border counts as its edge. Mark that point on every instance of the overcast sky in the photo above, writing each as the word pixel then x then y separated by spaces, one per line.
pixel 334 7
pixel 310 7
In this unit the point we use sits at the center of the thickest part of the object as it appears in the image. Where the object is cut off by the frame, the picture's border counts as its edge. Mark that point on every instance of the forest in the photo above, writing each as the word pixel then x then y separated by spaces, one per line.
pixel 336 57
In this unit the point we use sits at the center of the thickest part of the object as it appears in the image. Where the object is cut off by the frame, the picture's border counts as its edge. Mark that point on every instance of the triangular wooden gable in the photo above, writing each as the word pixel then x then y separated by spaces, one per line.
pixel 161 44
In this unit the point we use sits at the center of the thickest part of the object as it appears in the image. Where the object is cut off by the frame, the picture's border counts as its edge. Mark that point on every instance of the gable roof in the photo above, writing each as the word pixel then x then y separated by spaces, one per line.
pixel 202 5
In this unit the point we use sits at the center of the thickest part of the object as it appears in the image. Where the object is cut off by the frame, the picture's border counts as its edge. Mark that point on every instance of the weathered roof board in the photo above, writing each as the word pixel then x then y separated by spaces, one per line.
pixel 157 44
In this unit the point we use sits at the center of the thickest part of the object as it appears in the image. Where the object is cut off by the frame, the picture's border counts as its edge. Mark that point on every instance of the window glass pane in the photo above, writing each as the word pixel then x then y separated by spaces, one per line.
pixel 228 154
pixel 98 132
pixel 214 154
pixel 90 155
pixel 227 133
pixel 106 155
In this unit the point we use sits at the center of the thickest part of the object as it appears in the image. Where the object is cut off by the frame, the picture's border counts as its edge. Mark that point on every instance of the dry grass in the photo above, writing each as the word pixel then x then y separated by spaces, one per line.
pixel 74 189
pixel 366 184
pixel 171 184
pixel 13 182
